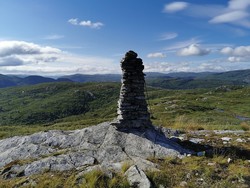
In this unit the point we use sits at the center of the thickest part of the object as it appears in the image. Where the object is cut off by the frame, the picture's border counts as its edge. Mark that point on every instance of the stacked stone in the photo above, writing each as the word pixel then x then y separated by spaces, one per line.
pixel 132 106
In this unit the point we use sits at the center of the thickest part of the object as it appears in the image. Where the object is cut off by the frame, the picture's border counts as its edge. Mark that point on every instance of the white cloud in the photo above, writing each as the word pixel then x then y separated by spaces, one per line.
pixel 235 13
pixel 193 50
pixel 237 54
pixel 95 25
pixel 227 51
pixel 21 47
pixel 168 36
pixel 239 4
pixel 182 44
pixel 88 23
pixel 175 6
pixel 242 51
pixel 53 37
pixel 235 59
pixel 19 53
pixel 73 21
pixel 230 17
pixel 19 57
pixel 10 61
pixel 210 67
pixel 156 55
pixel 168 67
pixel 202 65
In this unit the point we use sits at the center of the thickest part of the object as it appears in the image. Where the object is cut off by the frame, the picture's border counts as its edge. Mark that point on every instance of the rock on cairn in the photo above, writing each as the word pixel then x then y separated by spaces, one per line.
pixel 132 106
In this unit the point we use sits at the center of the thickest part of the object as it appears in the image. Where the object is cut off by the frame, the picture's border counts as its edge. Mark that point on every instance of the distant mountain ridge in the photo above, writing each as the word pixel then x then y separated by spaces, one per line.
pixel 93 78
pixel 201 80
pixel 243 75
pixel 7 81
pixel 179 80
pixel 10 81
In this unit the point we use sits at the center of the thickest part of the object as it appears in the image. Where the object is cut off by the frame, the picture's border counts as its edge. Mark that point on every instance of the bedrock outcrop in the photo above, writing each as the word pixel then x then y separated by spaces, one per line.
pixel 103 145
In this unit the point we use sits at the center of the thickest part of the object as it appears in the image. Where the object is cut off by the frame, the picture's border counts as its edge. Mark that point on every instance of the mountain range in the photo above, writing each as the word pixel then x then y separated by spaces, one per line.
pixel 180 80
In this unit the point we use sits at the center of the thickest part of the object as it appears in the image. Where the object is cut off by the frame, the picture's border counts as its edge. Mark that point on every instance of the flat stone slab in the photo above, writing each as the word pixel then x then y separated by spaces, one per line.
pixel 102 145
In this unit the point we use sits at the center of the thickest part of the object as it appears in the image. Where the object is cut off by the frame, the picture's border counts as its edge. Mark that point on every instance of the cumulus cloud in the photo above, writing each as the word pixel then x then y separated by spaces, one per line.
pixel 211 67
pixel 166 67
pixel 20 57
pixel 175 6
pixel 64 65
pixel 235 59
pixel 237 51
pixel 193 50
pixel 237 54
pixel 242 51
pixel 88 23
pixel 20 53
pixel 24 48
pixel 156 55
pixel 227 51
pixel 187 66
pixel 201 65
pixel 168 36
pixel 10 61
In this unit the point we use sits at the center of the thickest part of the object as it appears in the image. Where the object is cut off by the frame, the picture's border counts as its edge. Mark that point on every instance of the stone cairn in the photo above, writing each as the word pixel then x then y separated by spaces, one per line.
pixel 132 106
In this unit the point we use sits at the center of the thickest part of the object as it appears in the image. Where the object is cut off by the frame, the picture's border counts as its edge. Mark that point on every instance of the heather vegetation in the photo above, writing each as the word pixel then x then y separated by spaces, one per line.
pixel 223 107
pixel 28 109
pixel 47 104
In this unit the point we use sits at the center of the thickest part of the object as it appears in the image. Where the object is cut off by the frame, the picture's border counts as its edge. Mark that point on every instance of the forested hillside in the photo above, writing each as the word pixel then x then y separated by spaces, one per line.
pixel 46 103
pixel 73 105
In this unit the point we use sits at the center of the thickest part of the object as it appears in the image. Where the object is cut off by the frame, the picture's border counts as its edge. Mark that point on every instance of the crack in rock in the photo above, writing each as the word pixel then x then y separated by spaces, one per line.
pixel 137 178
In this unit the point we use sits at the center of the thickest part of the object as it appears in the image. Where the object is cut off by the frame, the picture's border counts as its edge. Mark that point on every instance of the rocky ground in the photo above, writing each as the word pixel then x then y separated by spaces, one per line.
pixel 101 146
pixel 108 149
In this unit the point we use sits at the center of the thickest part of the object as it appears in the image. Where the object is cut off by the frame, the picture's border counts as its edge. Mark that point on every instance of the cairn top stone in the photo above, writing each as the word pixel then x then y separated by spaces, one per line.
pixel 130 55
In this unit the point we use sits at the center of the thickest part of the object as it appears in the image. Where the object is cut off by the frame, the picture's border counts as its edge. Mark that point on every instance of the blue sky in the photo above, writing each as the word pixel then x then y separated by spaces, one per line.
pixel 58 37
